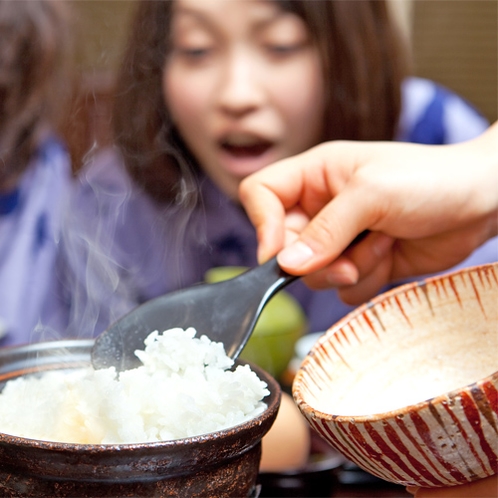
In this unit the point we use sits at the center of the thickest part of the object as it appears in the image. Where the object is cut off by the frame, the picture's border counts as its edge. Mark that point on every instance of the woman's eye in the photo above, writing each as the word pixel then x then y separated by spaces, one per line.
pixel 283 49
pixel 194 53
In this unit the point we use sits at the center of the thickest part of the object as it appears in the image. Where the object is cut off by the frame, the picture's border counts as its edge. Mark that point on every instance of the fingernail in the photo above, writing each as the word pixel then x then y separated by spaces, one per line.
pixel 295 255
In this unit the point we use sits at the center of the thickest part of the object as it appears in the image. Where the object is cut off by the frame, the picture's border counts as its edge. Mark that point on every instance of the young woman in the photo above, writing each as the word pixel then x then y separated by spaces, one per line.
pixel 34 166
pixel 210 92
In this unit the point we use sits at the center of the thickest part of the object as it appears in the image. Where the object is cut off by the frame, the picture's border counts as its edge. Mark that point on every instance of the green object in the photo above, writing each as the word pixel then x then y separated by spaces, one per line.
pixel 281 323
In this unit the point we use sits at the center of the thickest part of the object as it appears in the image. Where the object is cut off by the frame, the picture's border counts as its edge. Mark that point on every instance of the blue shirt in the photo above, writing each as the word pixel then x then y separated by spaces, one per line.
pixel 30 220
pixel 128 249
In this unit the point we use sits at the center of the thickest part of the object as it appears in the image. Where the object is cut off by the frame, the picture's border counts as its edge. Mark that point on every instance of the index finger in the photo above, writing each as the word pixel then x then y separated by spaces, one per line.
pixel 267 196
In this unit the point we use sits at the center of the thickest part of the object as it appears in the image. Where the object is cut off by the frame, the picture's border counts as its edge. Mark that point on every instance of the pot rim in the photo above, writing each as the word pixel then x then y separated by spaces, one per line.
pixel 16 355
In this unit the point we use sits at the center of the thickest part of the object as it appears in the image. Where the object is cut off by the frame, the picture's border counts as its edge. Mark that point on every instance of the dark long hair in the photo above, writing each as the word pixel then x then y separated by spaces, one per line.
pixel 34 57
pixel 364 62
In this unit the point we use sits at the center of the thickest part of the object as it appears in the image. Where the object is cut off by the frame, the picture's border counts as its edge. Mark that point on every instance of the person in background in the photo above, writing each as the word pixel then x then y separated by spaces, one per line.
pixel 426 208
pixel 209 92
pixel 34 165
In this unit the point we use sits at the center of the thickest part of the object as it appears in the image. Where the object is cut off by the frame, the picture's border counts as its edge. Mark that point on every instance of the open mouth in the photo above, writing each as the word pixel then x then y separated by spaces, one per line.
pixel 251 148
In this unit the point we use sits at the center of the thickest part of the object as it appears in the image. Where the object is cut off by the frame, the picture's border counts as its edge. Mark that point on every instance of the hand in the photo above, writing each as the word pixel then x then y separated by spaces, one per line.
pixel 426 207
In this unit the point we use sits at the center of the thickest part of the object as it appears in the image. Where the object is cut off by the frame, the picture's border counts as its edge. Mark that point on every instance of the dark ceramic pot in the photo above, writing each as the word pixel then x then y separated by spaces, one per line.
pixel 219 464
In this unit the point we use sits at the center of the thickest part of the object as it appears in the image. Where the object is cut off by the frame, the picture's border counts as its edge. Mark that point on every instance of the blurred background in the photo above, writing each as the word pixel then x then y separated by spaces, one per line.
pixel 453 42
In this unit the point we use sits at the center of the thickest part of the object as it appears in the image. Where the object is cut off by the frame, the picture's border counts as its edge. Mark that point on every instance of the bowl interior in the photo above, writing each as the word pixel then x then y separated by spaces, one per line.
pixel 411 344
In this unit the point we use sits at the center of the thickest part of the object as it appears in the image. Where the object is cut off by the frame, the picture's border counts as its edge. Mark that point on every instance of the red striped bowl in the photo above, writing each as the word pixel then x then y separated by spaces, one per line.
pixel 406 385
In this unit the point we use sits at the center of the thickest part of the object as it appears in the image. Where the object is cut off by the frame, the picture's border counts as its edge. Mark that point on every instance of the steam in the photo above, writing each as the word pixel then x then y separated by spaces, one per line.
pixel 92 276
pixel 106 264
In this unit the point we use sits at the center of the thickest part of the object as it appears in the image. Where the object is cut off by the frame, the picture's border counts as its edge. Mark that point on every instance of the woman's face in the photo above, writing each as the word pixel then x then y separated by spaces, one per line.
pixel 244 86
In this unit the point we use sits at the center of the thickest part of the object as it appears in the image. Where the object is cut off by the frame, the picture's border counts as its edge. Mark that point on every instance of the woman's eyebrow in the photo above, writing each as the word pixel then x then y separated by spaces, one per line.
pixel 268 20
pixel 260 24
pixel 185 12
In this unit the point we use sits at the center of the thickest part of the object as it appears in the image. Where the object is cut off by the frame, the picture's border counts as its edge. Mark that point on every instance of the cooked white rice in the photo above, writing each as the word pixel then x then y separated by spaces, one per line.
pixel 183 389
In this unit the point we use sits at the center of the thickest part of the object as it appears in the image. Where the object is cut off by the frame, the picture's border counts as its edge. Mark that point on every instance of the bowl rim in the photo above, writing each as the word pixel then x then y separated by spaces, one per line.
pixel 397 412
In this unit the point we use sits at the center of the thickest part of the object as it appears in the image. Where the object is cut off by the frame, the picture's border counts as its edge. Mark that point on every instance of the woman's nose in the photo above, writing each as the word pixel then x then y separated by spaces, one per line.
pixel 241 89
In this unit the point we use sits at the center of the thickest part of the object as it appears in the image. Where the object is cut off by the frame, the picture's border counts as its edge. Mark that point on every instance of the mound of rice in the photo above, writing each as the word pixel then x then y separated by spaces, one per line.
pixel 183 389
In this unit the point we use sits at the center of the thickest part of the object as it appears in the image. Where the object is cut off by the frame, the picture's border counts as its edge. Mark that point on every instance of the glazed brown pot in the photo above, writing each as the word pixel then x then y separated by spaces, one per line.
pixel 219 464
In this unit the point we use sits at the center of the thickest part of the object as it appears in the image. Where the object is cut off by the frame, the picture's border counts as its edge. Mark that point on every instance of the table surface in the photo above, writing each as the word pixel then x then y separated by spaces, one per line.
pixel 367 486
pixel 340 481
